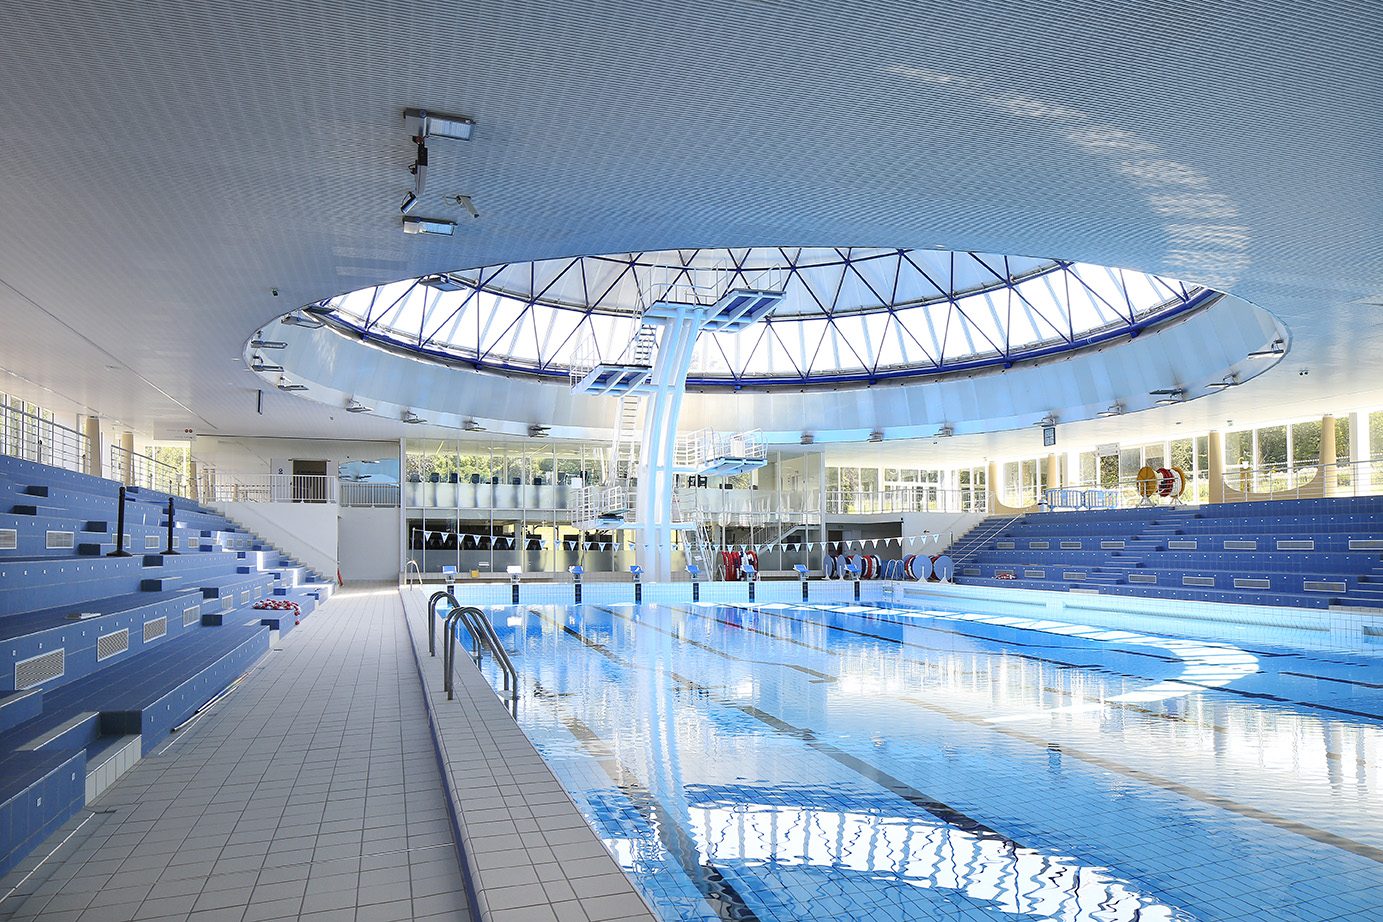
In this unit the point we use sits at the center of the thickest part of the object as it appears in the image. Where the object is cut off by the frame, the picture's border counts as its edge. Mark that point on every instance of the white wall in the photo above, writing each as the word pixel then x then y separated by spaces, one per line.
pixel 950 525
pixel 307 531
pixel 368 544
pixel 248 455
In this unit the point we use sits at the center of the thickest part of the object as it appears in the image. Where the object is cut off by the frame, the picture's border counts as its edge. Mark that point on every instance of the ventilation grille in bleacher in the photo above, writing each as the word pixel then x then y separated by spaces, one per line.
pixel 39 669
pixel 1365 544
pixel 245 597
pixel 1245 582
pixel 1323 585
pixel 1034 574
pixel 150 541
pixel 1241 545
pixel 1004 545
pixel 108 645
pixel 155 628
pixel 970 571
pixel 1142 577
pixel 1111 545
pixel 1207 582
pixel 191 615
pixel 1297 545
pixel 1003 574
pixel 1039 545
pixel 1183 545
pixel 9 539
pixel 1070 545
pixel 1072 574
pixel 227 603
pixel 61 539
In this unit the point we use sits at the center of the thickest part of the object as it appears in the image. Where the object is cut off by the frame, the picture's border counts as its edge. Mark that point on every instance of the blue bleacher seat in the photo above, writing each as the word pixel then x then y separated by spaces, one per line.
pixel 102 656
pixel 1309 553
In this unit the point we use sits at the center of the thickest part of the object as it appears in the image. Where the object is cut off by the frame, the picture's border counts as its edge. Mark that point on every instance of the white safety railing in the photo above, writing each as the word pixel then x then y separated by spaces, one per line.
pixel 707 447
pixel 136 470
pixel 274 488
pixel 1306 481
pixel 33 438
pixel 362 494
pixel 921 498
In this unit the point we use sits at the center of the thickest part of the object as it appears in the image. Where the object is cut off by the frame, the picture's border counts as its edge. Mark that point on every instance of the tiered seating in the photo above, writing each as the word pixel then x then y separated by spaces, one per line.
pixel 101 656
pixel 1304 553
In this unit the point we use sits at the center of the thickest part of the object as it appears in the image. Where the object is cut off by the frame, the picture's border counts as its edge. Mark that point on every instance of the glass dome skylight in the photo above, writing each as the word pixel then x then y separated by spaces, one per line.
pixel 848 315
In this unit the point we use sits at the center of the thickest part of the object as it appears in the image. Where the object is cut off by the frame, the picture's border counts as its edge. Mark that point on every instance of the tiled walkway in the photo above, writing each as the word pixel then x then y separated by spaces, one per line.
pixel 312 792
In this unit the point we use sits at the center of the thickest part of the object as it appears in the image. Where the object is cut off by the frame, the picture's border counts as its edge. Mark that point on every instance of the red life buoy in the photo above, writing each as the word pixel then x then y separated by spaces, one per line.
pixel 1165 482
pixel 907 566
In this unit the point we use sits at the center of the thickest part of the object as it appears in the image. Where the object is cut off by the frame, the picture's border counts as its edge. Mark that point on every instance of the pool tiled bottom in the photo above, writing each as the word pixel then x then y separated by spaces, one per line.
pixel 856 762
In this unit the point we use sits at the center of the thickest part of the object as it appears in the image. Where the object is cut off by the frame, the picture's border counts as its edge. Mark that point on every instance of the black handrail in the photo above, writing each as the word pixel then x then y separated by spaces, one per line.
pixel 120 530
pixel 169 549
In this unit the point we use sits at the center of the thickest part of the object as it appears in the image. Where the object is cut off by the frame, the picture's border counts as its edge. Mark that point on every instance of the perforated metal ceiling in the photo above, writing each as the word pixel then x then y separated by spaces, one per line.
pixel 164 165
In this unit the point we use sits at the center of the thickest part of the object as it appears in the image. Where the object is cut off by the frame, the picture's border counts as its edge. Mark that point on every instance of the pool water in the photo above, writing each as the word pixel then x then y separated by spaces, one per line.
pixel 785 762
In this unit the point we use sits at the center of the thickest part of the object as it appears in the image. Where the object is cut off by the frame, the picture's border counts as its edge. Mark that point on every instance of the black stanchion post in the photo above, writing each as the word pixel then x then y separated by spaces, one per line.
pixel 696 591
pixel 802 575
pixel 857 590
pixel 637 572
pixel 169 548
pixel 120 530
pixel 576 572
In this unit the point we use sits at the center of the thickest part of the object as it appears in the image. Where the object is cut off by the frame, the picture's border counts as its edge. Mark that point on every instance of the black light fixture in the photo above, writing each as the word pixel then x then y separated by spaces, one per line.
pixel 297 319
pixel 257 363
pixel 471 425
pixel 355 406
pixel 536 431
pixel 286 385
pixel 258 343
pixel 412 418
pixel 1278 347
pixel 876 436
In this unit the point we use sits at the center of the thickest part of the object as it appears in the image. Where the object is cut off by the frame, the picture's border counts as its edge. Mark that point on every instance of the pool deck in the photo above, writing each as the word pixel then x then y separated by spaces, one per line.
pixel 312 793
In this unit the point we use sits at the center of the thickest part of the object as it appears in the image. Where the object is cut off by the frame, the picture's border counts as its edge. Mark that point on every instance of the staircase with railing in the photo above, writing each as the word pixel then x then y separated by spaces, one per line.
pixel 697 543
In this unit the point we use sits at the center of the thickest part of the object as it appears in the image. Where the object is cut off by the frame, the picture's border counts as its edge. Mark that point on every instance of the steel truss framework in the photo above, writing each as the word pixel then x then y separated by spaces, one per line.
pixel 849 315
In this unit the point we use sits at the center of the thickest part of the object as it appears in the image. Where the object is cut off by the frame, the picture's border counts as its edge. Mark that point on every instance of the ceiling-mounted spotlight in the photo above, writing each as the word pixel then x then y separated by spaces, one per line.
pixel 437 125
pixel 412 418
pixel 257 363
pixel 1114 409
pixel 1278 347
pixel 1048 420
pixel 286 385
pixel 465 202
pixel 412 225
pixel 945 432
pixel 440 282
pixel 1229 381
pixel 299 319
pixel 355 406
pixel 410 201
pixel 258 343
pixel 808 438
pixel 536 431
pixel 1168 392
pixel 876 436
pixel 471 425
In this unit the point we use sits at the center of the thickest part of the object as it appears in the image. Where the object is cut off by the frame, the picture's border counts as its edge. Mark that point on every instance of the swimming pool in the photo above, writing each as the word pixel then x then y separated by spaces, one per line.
pixel 875 760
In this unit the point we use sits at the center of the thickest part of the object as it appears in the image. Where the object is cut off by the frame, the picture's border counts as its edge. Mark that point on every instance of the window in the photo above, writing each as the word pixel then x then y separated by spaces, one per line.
pixel 1272 445
pixel 1239 448
pixel 1306 443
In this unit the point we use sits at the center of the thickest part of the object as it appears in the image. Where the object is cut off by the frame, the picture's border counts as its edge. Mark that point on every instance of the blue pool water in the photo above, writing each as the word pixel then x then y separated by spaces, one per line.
pixel 859 762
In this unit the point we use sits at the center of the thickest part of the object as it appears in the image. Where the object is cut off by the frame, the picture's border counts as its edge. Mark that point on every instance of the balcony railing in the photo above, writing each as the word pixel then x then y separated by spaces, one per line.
pixel 32 438
pixel 136 470
pixel 921 498
pixel 273 488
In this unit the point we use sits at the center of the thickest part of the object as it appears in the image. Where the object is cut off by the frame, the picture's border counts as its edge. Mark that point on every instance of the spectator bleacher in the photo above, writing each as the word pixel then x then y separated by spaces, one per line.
pixel 1304 553
pixel 101 657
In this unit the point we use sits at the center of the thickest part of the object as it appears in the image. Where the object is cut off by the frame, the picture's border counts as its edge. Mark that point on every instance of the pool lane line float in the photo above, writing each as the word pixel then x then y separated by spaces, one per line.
pixel 1181 481
pixel 753 558
pixel 1165 481
pixel 907 566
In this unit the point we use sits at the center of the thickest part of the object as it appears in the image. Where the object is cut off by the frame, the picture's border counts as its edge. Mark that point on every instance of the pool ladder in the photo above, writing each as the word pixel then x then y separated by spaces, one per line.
pixel 482 635
pixel 413 568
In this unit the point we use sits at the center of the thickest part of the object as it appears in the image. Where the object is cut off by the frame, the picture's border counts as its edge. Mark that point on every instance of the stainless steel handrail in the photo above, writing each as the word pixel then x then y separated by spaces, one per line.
pixel 482 634
pixel 412 567
pixel 955 561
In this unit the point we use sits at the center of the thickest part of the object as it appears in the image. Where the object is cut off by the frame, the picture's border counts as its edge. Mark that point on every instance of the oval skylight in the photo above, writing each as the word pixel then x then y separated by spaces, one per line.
pixel 848 315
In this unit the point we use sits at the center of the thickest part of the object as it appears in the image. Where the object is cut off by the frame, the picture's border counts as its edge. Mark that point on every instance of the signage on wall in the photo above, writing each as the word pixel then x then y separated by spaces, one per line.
pixel 1048 436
